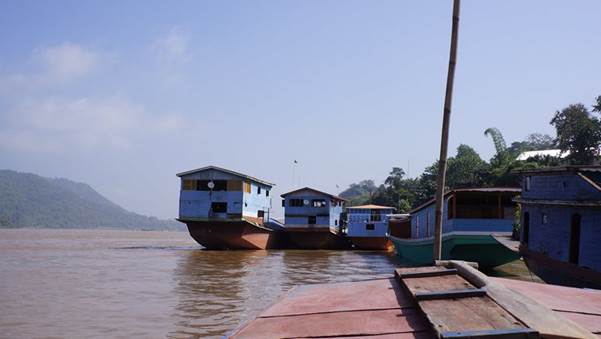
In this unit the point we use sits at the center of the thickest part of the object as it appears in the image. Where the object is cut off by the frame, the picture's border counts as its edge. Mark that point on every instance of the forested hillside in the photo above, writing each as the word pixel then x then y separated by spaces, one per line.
pixel 29 200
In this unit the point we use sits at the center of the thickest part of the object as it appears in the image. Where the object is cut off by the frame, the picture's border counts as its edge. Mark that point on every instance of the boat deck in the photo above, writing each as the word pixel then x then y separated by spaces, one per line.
pixel 388 308
pixel 508 241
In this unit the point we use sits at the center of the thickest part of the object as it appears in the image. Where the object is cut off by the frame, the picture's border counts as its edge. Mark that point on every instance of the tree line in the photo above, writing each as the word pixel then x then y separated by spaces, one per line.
pixel 578 137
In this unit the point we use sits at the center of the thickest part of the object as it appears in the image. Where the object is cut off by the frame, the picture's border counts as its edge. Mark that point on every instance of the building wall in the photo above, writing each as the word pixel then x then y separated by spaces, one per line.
pixel 298 216
pixel 565 186
pixel 358 219
pixel 196 204
pixel 254 201
pixel 553 238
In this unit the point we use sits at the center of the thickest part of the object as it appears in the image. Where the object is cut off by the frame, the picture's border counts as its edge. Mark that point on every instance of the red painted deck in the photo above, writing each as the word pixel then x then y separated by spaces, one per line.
pixel 379 309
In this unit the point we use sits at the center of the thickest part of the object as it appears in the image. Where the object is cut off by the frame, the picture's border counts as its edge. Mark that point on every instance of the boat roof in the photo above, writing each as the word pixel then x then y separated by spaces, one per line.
pixel 220 169
pixel 370 207
pixel 476 189
pixel 335 197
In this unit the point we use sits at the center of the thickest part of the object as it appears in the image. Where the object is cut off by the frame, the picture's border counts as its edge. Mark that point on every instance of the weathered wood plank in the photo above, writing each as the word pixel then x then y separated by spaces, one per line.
pixel 534 315
pixel 468 314
pixel 424 274
pixel 437 284
pixel 454 294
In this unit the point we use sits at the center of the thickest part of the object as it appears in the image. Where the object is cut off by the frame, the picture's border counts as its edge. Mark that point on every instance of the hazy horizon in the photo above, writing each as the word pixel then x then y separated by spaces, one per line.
pixel 124 95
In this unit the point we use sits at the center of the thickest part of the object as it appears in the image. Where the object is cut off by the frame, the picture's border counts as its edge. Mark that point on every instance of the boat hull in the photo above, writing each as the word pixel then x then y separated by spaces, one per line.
pixel 317 238
pixel 557 272
pixel 475 247
pixel 234 235
pixel 371 243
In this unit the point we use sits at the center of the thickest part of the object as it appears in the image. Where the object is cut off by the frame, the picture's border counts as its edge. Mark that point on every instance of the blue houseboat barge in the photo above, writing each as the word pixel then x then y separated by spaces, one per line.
pixel 312 219
pixel 471 217
pixel 561 224
pixel 224 209
pixel 367 227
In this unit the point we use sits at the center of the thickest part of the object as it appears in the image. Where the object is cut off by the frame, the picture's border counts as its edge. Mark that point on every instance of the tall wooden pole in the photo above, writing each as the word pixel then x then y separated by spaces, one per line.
pixel 444 141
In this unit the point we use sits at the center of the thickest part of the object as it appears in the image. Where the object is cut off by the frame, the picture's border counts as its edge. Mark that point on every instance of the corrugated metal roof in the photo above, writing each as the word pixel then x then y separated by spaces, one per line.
pixel 238 174
pixel 371 207
pixel 314 190
pixel 559 169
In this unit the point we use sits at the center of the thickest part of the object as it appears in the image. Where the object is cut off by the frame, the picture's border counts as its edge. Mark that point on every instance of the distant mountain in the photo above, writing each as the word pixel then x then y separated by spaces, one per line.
pixel 29 200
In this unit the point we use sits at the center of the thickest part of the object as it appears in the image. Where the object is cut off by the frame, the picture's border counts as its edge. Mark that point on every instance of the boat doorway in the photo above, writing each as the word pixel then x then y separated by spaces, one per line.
pixel 575 239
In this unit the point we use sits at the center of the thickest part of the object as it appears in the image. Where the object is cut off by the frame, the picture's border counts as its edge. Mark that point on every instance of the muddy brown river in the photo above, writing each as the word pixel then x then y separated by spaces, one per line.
pixel 124 284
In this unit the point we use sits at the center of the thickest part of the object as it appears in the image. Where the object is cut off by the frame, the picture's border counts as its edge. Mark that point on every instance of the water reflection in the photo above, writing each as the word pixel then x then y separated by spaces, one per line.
pixel 217 290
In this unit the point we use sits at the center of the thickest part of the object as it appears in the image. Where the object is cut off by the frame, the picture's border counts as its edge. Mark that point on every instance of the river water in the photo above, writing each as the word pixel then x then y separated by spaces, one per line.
pixel 124 284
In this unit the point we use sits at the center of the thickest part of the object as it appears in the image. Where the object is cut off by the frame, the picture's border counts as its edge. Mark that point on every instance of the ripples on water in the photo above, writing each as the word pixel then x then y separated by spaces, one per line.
pixel 79 283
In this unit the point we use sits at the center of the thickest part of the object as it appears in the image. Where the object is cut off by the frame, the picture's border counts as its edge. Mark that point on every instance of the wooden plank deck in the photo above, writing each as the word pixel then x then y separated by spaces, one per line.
pixel 384 308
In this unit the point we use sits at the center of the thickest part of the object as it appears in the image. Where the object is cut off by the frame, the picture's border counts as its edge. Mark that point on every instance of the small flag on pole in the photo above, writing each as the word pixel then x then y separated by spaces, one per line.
pixel 296 162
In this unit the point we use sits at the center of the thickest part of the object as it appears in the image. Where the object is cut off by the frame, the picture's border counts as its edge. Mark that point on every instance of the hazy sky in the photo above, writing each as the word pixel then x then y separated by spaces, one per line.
pixel 124 94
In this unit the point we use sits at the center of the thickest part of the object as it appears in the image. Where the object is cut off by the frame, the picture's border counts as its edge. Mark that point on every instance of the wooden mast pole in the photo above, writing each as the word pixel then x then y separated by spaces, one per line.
pixel 444 142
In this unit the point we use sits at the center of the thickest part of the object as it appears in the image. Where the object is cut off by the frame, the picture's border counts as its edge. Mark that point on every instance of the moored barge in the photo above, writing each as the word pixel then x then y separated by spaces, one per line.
pixel 560 224
pixel 313 219
pixel 224 209
pixel 471 217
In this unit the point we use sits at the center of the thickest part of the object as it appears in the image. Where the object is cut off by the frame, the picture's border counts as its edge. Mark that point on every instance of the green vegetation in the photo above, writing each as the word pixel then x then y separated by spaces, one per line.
pixel 29 200
pixel 578 135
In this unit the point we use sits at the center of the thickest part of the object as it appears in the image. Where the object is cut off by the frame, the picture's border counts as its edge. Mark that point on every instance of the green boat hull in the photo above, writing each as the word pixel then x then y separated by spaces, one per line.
pixel 481 248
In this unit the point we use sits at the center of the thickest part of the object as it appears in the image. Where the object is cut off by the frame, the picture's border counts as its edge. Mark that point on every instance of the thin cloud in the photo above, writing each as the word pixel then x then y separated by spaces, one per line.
pixel 57 65
pixel 172 47
pixel 59 124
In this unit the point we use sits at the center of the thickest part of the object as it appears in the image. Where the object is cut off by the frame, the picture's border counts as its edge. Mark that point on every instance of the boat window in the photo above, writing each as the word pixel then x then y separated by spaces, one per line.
pixel 219 207
pixel 260 214
pixel 296 202
pixel 336 222
pixel 375 215
pixel 283 203
pixel 312 220
pixel 234 185
pixel 266 193
pixel 189 185
pixel 370 227
pixel 258 189
pixel 527 184
pixel 246 187
pixel 318 203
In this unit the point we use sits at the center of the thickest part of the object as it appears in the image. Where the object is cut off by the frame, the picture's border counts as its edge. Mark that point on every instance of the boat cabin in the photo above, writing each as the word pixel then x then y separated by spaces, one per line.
pixel 368 220
pixel 214 193
pixel 560 220
pixel 311 208
pixel 467 210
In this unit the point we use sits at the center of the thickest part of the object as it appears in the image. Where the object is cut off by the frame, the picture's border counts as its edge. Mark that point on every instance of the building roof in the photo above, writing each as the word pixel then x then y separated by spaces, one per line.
pixel 555 153
pixel 371 207
pixel 478 189
pixel 560 169
pixel 238 174
pixel 335 197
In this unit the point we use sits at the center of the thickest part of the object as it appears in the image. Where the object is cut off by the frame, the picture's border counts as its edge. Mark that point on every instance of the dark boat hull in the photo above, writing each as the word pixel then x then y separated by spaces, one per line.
pixel 372 243
pixel 318 238
pixel 234 235
pixel 557 272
